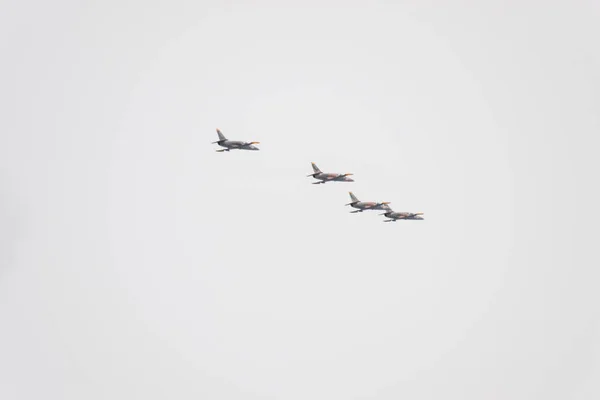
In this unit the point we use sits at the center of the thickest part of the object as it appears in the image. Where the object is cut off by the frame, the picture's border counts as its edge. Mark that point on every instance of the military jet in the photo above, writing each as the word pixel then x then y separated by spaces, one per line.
pixel 366 205
pixel 395 215
pixel 324 177
pixel 233 144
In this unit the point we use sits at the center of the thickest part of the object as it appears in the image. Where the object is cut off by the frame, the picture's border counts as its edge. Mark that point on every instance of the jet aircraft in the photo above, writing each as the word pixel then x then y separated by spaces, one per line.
pixel 233 144
pixel 395 215
pixel 366 205
pixel 324 177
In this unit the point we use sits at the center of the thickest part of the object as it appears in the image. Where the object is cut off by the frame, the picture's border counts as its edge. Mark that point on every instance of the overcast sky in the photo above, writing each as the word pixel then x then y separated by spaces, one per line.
pixel 138 263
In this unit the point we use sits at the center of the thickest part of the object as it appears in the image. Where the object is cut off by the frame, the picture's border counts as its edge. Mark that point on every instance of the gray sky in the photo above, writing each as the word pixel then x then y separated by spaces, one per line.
pixel 136 262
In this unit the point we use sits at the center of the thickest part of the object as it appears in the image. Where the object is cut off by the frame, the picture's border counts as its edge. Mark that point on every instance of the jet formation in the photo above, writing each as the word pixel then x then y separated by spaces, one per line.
pixel 324 177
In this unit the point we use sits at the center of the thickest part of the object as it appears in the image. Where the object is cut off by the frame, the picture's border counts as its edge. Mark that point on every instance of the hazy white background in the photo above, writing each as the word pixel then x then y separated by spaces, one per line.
pixel 138 263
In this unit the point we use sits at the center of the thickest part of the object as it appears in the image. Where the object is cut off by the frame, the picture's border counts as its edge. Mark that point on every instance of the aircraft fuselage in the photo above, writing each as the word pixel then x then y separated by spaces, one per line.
pixel 369 205
pixel 236 145
pixel 394 215
pixel 332 177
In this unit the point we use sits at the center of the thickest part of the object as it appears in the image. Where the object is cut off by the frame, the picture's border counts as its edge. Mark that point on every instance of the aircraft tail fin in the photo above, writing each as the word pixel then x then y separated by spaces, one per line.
pixel 315 168
pixel 221 136
pixel 353 197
